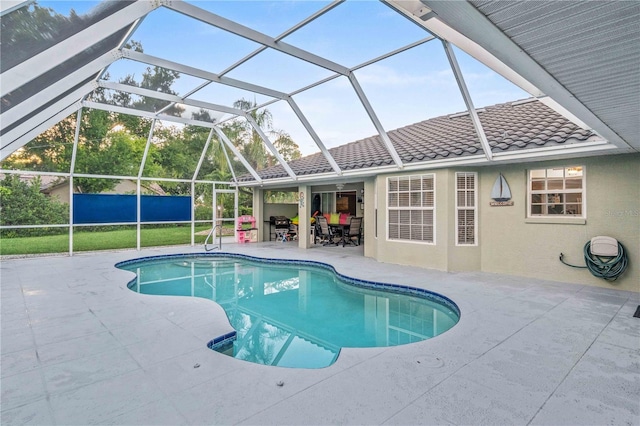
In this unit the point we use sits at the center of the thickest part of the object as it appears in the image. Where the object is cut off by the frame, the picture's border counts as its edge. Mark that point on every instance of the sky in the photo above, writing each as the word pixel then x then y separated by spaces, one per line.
pixel 407 88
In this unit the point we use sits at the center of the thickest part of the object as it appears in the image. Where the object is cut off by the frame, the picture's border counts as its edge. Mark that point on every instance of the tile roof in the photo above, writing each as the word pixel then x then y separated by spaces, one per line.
pixel 508 127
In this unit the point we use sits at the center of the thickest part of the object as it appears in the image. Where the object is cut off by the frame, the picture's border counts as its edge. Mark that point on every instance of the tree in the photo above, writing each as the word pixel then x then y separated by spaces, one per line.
pixel 100 149
pixel 288 149
pixel 118 153
pixel 22 203
pixel 247 139
pixel 33 26
pixel 177 158
pixel 49 151
pixel 251 145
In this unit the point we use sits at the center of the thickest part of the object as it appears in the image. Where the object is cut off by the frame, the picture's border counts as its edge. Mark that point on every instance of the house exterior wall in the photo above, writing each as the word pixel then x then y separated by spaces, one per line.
pixel 508 242
pixel 412 253
pixel 512 244
pixel 61 191
pixel 459 257
pixel 369 223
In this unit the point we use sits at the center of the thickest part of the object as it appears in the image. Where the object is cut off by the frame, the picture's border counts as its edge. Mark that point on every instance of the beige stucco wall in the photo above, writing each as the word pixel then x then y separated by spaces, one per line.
pixel 463 257
pixel 61 192
pixel 511 244
pixel 508 242
pixel 370 241
pixel 413 253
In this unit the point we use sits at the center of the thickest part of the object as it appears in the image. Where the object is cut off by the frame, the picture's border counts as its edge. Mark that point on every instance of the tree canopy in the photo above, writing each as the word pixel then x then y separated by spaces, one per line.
pixel 113 144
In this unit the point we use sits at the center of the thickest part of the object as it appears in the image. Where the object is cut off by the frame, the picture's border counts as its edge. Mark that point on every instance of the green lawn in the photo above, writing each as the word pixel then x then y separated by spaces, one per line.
pixel 101 240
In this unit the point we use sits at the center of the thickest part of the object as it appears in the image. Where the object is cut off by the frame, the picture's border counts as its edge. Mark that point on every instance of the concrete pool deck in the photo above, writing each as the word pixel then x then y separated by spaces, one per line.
pixel 78 347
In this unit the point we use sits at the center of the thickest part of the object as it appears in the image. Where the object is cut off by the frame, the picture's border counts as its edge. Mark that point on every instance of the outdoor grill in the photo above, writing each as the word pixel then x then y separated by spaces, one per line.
pixel 282 227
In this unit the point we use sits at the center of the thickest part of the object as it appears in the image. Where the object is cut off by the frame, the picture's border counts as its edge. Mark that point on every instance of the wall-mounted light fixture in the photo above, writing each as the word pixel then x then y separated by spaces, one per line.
pixel 574 171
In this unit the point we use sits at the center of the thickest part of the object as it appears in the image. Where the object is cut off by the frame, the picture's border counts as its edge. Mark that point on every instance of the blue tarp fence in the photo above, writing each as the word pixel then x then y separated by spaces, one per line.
pixel 115 208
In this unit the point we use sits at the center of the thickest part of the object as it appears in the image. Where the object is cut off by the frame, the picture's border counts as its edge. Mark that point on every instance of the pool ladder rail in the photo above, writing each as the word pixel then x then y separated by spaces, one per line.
pixel 212 234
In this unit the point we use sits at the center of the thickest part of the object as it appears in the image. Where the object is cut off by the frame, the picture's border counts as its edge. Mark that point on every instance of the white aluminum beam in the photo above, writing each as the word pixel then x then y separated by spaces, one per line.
pixel 255 36
pixel 477 125
pixel 146 152
pixel 280 95
pixel 223 80
pixel 394 52
pixel 18 136
pixel 67 49
pixel 195 72
pixel 76 139
pixel 233 173
pixel 418 13
pixel 151 115
pixel 116 177
pixel 463 18
pixel 187 95
pixel 362 65
pixel 374 119
pixel 8 6
pixel 202 156
pixel 74 153
pixel 269 145
pixel 237 153
pixel 314 135
pixel 168 97
pixel 291 30
pixel 58 88
pixel 15 144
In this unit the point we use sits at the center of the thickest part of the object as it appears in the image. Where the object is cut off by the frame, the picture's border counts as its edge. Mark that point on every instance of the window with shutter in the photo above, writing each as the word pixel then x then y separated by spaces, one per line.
pixel 410 208
pixel 466 211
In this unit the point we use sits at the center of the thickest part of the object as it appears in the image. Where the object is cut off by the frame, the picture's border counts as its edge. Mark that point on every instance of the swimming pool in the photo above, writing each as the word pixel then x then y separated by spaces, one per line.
pixel 295 313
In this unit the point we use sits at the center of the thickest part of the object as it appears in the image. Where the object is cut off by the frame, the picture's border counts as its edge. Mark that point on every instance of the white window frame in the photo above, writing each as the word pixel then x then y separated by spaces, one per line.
pixel 421 208
pixel 473 208
pixel 546 192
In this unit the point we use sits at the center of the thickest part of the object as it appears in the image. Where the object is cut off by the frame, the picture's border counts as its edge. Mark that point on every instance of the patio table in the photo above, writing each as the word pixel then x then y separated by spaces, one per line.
pixel 342 227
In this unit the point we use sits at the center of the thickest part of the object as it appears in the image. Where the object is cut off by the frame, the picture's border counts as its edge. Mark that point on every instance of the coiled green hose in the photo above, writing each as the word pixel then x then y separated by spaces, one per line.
pixel 606 267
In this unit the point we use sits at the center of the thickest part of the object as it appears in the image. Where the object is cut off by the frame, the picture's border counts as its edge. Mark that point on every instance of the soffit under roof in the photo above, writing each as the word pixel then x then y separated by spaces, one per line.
pixel 588 53
pixel 590 49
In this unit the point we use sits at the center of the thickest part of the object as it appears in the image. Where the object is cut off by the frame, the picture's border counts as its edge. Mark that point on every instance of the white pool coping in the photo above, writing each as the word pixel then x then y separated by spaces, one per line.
pixel 78 347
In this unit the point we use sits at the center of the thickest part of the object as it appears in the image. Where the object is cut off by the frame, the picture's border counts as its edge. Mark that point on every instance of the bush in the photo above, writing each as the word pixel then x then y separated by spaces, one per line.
pixel 21 203
pixel 204 212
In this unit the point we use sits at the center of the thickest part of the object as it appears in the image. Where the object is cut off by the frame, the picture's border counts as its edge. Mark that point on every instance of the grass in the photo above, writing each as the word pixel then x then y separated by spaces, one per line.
pixel 101 240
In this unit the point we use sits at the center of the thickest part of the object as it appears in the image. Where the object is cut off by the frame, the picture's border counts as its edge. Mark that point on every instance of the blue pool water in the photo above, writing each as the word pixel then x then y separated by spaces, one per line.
pixel 295 313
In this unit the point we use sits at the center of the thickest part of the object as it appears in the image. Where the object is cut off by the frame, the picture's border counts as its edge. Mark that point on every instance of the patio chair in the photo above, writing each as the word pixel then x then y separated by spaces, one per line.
pixel 353 231
pixel 293 232
pixel 323 232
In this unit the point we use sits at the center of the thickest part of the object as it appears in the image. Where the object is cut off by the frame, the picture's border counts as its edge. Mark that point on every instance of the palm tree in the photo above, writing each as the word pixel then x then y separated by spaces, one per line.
pixel 248 140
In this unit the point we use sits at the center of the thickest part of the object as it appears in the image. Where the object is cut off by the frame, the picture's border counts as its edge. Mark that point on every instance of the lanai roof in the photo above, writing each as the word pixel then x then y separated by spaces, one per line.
pixel 514 127
pixel 579 58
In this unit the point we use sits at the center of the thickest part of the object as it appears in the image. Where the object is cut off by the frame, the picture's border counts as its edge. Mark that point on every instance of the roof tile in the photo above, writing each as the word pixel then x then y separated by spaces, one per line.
pixel 507 126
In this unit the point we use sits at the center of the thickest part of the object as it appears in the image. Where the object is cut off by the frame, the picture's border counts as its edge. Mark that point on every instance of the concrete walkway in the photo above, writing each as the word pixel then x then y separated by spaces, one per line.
pixel 78 347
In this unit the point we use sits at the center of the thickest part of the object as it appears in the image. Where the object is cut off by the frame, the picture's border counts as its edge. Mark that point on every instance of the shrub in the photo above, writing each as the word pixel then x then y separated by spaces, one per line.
pixel 21 203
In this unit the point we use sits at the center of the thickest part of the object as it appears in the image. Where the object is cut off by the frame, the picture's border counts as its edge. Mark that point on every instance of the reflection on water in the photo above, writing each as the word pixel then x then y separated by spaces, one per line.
pixel 292 315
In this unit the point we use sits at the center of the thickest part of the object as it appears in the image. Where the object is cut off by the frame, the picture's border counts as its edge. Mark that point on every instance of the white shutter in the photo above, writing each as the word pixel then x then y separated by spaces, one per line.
pixel 466 211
